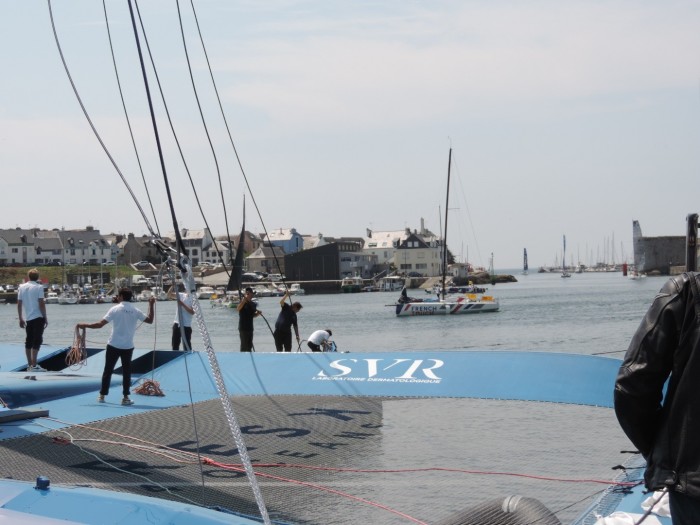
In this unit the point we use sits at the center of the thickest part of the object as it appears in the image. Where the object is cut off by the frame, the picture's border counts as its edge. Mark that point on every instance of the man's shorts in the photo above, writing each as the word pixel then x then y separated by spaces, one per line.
pixel 35 333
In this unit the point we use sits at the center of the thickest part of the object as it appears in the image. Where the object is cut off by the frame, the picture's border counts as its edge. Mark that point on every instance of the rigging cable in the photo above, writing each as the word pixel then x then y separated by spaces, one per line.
pixel 126 115
pixel 180 244
pixel 469 215
pixel 188 278
pixel 182 264
pixel 172 126
pixel 233 146
pixel 151 387
pixel 231 418
pixel 94 129
pixel 204 124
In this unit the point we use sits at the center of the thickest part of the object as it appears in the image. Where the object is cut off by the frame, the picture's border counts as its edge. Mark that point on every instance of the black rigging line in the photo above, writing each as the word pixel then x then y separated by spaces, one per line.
pixel 180 244
pixel 171 124
pixel 126 115
pixel 235 151
pixel 204 123
pixel 94 130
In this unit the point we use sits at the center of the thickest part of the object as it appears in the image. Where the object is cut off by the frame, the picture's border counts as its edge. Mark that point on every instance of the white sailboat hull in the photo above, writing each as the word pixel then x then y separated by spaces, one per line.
pixel 446 307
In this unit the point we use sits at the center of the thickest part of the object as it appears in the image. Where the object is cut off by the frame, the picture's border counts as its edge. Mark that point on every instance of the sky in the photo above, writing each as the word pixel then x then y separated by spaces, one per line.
pixel 565 119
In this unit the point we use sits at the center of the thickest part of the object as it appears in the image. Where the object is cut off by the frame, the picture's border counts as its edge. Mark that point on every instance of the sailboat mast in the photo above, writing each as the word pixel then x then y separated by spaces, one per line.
pixel 444 239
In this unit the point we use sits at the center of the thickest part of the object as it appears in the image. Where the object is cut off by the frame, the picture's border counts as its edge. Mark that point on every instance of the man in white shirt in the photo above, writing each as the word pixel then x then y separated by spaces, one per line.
pixel 120 345
pixel 318 341
pixel 30 301
pixel 183 320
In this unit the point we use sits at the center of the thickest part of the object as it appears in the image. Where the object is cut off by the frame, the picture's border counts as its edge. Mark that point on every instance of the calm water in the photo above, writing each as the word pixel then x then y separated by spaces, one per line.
pixel 588 313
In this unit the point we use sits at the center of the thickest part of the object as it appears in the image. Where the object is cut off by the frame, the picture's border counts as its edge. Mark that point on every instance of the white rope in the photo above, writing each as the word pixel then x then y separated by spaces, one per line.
pixel 188 281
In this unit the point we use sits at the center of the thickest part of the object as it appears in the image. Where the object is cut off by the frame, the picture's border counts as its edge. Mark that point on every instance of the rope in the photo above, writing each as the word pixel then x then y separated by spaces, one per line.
pixel 224 397
pixel 126 116
pixel 186 457
pixel 149 387
pixel 92 126
pixel 233 146
pixel 76 357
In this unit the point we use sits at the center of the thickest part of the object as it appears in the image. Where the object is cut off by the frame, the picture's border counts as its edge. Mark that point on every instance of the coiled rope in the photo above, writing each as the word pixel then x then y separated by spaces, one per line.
pixel 76 357
pixel 151 387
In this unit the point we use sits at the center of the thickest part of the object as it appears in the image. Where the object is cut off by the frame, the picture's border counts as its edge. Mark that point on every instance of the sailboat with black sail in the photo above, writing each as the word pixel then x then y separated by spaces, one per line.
pixel 470 303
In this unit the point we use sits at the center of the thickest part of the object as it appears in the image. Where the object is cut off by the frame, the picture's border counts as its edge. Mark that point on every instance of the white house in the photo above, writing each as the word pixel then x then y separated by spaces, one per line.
pixel 384 245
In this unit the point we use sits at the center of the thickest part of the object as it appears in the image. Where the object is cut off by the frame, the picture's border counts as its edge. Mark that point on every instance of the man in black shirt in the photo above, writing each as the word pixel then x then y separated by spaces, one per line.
pixel 247 311
pixel 285 321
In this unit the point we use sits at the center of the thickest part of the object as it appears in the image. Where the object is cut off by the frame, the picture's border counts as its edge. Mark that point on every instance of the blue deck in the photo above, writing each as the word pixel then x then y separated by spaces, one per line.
pixel 69 396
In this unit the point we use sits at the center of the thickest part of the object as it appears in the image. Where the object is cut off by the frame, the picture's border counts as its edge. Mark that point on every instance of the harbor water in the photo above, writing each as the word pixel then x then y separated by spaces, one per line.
pixel 589 313
pixel 502 447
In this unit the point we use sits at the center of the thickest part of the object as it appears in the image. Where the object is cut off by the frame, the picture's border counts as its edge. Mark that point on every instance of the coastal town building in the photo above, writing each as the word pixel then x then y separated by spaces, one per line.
pixel 354 261
pixel 316 264
pixel 404 251
pixel 53 247
pixel 196 243
pixel 393 249
pixel 286 238
pixel 314 241
pixel 415 256
pixel 219 252
pixel 657 254
pixel 135 249
pixel 266 259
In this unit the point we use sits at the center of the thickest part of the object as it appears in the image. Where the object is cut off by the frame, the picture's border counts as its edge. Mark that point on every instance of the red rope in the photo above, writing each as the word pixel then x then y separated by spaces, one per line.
pixel 76 357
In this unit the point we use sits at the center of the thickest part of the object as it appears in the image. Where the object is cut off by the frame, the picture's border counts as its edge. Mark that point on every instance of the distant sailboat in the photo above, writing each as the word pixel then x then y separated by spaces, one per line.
pixel 468 304
pixel 525 269
pixel 564 273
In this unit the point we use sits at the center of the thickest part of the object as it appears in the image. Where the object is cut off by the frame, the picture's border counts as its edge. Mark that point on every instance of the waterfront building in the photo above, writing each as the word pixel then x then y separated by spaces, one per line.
pixel 288 239
pixel 657 254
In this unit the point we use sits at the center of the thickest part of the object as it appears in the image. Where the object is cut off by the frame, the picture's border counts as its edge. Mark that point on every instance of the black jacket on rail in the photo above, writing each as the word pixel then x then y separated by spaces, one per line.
pixel 666 346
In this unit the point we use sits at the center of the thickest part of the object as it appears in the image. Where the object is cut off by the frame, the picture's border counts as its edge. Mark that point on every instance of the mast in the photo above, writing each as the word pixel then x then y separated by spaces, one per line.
pixel 184 265
pixel 563 259
pixel 444 240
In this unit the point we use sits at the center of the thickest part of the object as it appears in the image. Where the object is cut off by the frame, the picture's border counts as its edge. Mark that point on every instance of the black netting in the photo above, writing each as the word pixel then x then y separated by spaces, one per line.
pixel 340 459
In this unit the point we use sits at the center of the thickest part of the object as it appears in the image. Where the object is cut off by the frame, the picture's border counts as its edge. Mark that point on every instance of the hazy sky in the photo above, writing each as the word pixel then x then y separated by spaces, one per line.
pixel 565 118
